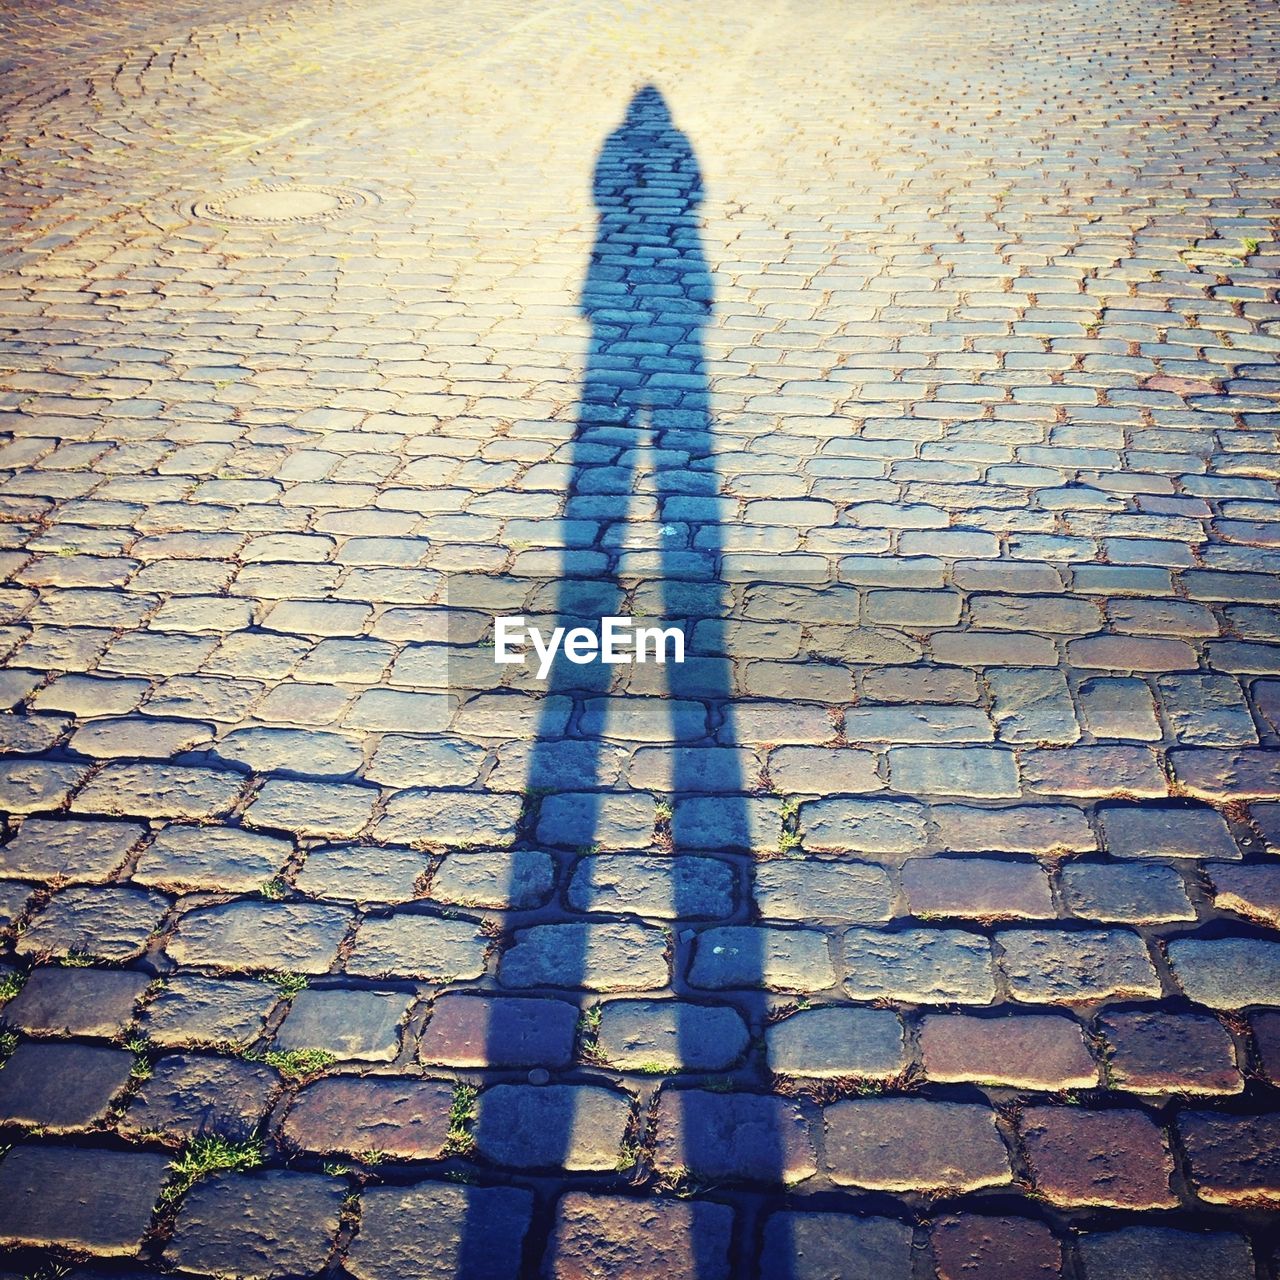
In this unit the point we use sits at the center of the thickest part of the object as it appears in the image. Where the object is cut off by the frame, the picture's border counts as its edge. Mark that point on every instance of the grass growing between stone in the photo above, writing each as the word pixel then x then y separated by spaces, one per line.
pixel 204 1156
pixel 462 1112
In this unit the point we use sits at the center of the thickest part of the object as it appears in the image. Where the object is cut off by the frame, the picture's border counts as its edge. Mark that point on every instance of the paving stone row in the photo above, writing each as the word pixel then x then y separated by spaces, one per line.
pixel 924 926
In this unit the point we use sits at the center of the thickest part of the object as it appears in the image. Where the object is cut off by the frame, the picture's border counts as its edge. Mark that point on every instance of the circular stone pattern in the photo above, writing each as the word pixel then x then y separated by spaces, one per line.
pixel 280 204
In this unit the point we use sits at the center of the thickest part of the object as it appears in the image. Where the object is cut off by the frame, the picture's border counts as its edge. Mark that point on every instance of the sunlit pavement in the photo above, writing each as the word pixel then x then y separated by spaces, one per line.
pixel 924 355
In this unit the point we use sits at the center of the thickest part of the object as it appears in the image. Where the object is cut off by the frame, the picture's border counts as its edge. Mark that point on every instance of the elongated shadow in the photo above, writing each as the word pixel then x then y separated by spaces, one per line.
pixel 643 475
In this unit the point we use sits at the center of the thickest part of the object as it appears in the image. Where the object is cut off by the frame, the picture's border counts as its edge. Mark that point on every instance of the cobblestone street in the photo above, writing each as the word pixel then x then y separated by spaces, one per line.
pixel 919 360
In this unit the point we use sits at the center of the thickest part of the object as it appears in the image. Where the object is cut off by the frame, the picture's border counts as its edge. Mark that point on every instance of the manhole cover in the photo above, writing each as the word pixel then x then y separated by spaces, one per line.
pixel 281 204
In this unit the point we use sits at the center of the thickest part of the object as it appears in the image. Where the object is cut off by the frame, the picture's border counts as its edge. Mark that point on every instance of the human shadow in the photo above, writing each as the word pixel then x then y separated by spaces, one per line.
pixel 643 485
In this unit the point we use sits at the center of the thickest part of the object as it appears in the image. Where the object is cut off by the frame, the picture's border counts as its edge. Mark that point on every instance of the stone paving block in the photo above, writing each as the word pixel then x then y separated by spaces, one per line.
pixel 1020 829
pixel 402 1117
pixel 838 825
pixel 1119 893
pixel 1102 770
pixel 685 887
pixel 984 772
pixel 822 771
pixel 190 1095
pixel 572 1127
pixel 62 1088
pixel 1078 1158
pixel 1227 973
pixel 910 1144
pixel 598 1237
pixel 214 858
pixel 837 1042
pixel 753 956
pixel 739 1137
pixel 362 873
pixel 1046 966
pixel 726 822
pixel 479 1031
pixel 37 786
pixel 137 789
pixel 1250 891
pixel 1155 832
pixel 76 1198
pixel 981 888
pixel 817 1246
pixel 1118 707
pixel 1235 1159
pixel 71 849
pixel 325 810
pixel 665 1035
pixel 297 937
pixel 522 878
pixel 1227 775
pixel 407 944
pixel 196 1010
pixel 435 1231
pixel 444 818
pixel 1153 1052
pixel 1161 1253
pixel 1032 706
pixel 363 1026
pixel 258 1227
pixel 919 722
pixel 76 1002
pixel 921 966
pixel 1207 710
pixel 1022 1051
pixel 105 923
pixel 966 1247
pixel 592 957
pixel 813 889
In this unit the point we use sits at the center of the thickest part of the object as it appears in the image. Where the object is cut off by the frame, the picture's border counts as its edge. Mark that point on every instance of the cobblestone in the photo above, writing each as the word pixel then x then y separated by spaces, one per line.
pixel 951 444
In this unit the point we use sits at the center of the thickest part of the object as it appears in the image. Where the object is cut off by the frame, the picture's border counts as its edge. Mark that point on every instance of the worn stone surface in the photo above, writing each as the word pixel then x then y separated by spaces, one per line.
pixel 361 1025
pixel 1050 967
pixel 98 1201
pixel 969 1246
pixel 740 1137
pixel 837 1042
pixel 410 945
pixel 107 923
pixel 192 1096
pixel 523 878
pixel 572 1127
pixel 619 1238
pixel 71 849
pixel 479 1031
pixel 688 888
pixel 217 858
pixel 404 1118
pixel 300 937
pixel 664 1035
pixel 1024 1052
pixel 812 1246
pixel 852 892
pixel 1235 1159
pixel 780 959
pixel 75 1002
pixel 921 966
pixel 1161 1253
pixel 1153 1052
pixel 597 957
pixel 1097 1158
pixel 1227 973
pixel 260 1226
pixel 899 1144
pixel 62 1088
pixel 196 1010
pixel 436 1231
